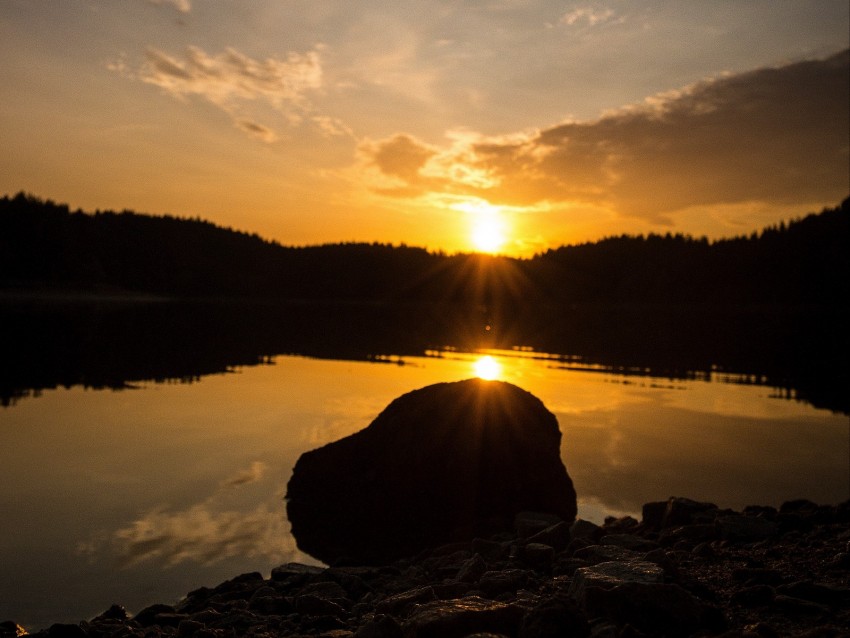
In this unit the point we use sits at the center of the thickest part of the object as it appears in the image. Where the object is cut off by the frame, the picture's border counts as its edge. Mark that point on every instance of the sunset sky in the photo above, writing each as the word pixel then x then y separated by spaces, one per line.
pixel 508 125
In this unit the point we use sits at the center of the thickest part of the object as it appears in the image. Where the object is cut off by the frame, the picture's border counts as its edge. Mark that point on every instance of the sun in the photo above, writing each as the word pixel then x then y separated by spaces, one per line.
pixel 488 234
pixel 488 231
pixel 487 368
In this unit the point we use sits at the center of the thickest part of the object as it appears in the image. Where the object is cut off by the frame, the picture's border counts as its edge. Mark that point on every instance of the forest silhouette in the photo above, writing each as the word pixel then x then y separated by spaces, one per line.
pixel 111 299
pixel 46 245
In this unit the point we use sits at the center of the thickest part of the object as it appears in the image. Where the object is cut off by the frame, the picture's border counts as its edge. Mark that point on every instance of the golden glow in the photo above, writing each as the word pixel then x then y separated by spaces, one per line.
pixel 487 368
pixel 488 230
pixel 487 234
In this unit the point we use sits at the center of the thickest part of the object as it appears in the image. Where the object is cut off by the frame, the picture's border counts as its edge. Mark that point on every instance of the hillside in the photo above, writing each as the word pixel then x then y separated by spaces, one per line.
pixel 44 245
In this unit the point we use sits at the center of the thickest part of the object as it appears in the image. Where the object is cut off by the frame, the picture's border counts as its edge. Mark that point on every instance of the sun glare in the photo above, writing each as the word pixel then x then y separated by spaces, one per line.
pixel 487 368
pixel 488 232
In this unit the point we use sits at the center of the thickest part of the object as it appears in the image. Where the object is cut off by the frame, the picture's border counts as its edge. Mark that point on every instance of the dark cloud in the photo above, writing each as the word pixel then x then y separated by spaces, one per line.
pixel 257 130
pixel 401 156
pixel 773 135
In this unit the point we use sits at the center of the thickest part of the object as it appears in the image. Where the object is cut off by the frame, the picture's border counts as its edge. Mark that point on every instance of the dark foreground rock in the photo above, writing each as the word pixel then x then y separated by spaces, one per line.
pixel 443 463
pixel 678 572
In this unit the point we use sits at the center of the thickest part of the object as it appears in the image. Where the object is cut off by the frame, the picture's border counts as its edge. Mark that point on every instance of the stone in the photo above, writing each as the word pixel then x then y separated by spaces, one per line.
pixel 147 616
pixel 629 541
pixel 538 555
pixel 585 530
pixel 327 589
pixel 798 505
pixel 528 524
pixel 115 612
pixel 683 511
pixel 380 626
pixel 554 618
pixel 169 619
pixel 472 569
pixel 271 605
pixel 757 576
pixel 494 583
pixel 745 528
pixel 352 583
pixel 619 525
pixel 652 514
pixel 659 609
pixel 831 595
pixel 298 570
pixel 490 549
pixel 557 536
pixel 603 553
pixel 665 561
pixel 755 596
pixel 66 630
pixel 399 603
pixel 320 624
pixel 613 573
pixel 453 589
pixel 792 606
pixel 188 628
pixel 312 605
pixel 696 533
pixel 445 463
pixel 461 617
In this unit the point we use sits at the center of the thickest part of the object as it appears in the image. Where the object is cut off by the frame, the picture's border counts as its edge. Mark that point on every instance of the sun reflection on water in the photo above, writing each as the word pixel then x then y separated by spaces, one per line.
pixel 487 368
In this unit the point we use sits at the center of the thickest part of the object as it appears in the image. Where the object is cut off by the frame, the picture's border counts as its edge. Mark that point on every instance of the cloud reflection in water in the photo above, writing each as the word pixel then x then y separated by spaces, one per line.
pixel 206 532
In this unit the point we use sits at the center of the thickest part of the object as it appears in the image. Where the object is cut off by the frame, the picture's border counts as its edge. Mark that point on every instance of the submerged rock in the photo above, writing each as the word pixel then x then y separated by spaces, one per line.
pixel 446 462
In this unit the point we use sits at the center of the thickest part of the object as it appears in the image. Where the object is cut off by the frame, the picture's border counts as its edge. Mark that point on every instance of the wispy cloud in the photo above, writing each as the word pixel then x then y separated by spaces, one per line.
pixel 253 474
pixel 204 535
pixel 206 532
pixel 183 6
pixel 259 131
pixel 587 15
pixel 232 75
pixel 775 135
pixel 232 81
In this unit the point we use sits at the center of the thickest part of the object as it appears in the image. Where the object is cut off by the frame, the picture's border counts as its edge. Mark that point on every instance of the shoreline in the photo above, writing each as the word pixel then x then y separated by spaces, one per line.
pixel 687 568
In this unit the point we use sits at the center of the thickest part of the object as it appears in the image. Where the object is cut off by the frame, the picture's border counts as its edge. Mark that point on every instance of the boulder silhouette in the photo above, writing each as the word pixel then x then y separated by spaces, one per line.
pixel 447 462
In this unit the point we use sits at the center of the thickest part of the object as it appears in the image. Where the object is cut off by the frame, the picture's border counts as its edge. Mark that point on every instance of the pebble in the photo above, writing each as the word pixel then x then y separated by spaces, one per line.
pixel 687 569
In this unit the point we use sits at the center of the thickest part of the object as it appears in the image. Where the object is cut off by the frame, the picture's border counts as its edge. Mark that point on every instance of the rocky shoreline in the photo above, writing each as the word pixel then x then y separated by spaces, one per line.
pixel 686 569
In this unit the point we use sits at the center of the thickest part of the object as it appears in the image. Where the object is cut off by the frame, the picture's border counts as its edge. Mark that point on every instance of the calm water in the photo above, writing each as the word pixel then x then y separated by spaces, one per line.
pixel 140 495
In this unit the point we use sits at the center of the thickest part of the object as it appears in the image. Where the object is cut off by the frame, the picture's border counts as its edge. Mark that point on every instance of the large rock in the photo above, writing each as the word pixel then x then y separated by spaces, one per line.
pixel 447 462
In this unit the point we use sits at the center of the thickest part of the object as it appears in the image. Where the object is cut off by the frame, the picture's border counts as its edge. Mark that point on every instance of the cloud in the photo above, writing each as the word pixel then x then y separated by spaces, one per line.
pixel 183 6
pixel 203 535
pixel 773 135
pixel 232 75
pixel 401 156
pixel 234 81
pixel 206 532
pixel 588 15
pixel 259 131
pixel 253 474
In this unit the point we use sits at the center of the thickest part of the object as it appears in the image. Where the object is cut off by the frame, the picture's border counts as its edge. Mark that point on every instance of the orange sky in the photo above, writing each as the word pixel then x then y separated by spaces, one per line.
pixel 509 125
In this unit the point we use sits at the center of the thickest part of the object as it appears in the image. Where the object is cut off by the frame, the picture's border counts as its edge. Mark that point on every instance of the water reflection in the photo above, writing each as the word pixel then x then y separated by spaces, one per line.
pixel 800 353
pixel 487 368
pixel 191 475
pixel 205 533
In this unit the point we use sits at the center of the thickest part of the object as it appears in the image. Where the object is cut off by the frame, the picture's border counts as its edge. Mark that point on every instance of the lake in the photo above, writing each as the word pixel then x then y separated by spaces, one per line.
pixel 148 446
